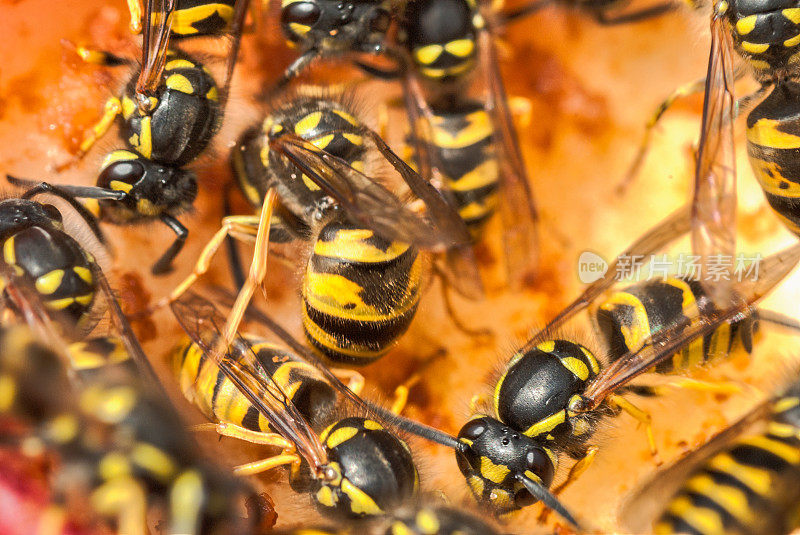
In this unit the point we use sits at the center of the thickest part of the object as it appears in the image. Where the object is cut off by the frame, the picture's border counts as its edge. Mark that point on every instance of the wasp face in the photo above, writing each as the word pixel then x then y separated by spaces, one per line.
pixel 19 214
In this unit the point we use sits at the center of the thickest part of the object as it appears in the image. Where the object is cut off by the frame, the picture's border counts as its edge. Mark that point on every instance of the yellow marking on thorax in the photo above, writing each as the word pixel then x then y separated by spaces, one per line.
pixel 146 207
pixel 578 368
pixel 792 14
pixel 179 82
pixel 460 47
pixel 347 117
pixel 182 19
pixel 496 473
pixel 48 283
pixel 360 501
pixel 9 253
pixel 784 404
pixel 212 94
pixel 180 63
pixel 323 141
pixel 545 425
pixel 428 54
pixel 343 434
pixel 754 48
pixel 766 133
pixel 85 274
pixel 308 123
pixel 128 107
pixel 428 522
pixel 145 140
pixel 372 425
pixel 746 25
pixel 794 41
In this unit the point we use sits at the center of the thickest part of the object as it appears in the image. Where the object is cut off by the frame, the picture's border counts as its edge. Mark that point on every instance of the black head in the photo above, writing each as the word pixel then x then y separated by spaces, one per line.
pixel 19 214
pixel 493 459
pixel 334 23
pixel 154 188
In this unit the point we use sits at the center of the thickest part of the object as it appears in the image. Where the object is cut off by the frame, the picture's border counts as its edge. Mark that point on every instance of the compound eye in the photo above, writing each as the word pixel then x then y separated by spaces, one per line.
pixel 472 430
pixel 128 171
pixel 305 13
pixel 52 212
pixel 538 462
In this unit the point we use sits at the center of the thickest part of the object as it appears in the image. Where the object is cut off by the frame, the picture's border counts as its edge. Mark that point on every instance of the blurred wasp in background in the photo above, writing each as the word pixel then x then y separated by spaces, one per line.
pixel 744 480
pixel 169 111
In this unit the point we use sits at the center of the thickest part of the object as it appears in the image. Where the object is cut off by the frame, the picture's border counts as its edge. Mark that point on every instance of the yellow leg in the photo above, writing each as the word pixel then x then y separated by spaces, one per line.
pixel 256 467
pixel 248 435
pixel 577 470
pixel 239 227
pixel 258 270
pixel 112 108
pixel 643 417
pixel 685 90
pixel 401 392
pixel 135 9
pixel 353 379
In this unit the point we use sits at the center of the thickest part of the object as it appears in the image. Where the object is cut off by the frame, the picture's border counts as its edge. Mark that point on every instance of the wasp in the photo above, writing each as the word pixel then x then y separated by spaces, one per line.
pixel 743 481
pixel 50 277
pixel 352 466
pixel 363 279
pixel 169 111
pixel 118 452
pixel 554 392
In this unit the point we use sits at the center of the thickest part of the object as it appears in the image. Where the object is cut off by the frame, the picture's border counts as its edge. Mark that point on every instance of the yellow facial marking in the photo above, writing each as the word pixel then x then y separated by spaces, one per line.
pixel 547 347
pixel 119 185
pixel 428 522
pixel 85 274
pixel 118 156
pixel 493 472
pixel 299 29
pixel 360 502
pixel 9 253
pixel 48 283
pixel 460 47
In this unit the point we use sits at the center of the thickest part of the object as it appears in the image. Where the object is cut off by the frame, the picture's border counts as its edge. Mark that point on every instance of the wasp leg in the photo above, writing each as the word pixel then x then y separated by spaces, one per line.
pixel 353 379
pixel 135 9
pixel 248 435
pixel 685 90
pixel 634 16
pixel 256 467
pixel 577 469
pixel 125 498
pixel 643 417
pixel 164 264
pixel 451 311
pixel 258 270
pixel 240 227
pixel 112 108
pixel 713 387
pixel 401 392
pixel 296 67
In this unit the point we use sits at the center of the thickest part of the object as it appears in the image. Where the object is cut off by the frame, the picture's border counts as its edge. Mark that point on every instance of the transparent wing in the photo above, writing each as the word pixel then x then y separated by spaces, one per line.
pixel 363 200
pixel 652 241
pixel 642 507
pixel 714 203
pixel 205 324
pixel 665 342
pixel 517 206
pixel 236 29
pixel 157 24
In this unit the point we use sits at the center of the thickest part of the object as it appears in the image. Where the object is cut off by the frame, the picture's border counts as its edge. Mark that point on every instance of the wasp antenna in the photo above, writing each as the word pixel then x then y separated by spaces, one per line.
pixel 541 493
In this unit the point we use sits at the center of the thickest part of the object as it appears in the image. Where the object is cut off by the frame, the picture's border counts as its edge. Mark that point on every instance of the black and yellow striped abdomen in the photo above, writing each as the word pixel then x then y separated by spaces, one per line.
pixel 360 293
pixel 773 145
pixel 58 268
pixel 750 487
pixel 220 400
pixel 192 18
pixel 184 117
pixel 463 148
pixel 628 317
